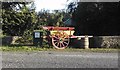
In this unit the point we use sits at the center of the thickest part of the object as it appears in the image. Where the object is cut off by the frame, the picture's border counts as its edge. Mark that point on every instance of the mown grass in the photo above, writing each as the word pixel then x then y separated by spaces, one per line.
pixel 99 50
pixel 22 48
pixel 33 48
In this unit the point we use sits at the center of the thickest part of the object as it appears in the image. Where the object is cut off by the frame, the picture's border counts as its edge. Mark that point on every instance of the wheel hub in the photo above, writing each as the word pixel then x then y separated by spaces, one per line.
pixel 61 40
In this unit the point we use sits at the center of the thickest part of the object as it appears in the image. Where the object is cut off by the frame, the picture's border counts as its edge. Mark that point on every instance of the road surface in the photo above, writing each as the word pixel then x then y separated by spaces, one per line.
pixel 57 59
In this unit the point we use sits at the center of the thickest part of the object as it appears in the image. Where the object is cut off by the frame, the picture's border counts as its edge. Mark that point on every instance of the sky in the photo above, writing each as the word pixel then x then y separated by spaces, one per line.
pixel 50 4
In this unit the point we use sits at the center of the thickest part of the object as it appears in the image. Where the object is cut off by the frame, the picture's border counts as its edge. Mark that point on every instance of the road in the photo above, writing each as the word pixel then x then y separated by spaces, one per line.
pixel 52 59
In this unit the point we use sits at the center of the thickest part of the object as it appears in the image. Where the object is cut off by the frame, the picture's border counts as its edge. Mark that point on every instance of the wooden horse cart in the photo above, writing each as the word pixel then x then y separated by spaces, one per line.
pixel 60 36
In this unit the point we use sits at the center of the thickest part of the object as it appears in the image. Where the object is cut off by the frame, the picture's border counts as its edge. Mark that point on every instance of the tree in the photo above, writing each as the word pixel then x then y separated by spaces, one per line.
pixel 97 18
pixel 51 19
pixel 17 21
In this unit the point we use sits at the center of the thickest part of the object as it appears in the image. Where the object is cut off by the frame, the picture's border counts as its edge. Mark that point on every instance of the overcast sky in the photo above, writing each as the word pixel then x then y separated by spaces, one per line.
pixel 50 4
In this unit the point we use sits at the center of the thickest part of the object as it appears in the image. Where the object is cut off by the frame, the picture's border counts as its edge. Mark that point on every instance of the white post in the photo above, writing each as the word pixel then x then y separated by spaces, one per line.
pixel 86 42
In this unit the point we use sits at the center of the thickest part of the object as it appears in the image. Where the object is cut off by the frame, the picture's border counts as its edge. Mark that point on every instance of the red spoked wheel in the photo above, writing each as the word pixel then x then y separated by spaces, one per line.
pixel 60 40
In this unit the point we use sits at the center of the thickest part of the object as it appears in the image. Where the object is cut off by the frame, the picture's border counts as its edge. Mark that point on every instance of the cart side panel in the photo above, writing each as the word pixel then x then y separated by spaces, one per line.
pixel 67 32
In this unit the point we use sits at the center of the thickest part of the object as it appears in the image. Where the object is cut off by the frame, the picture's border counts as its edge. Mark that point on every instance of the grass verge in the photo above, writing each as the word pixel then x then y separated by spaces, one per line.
pixel 32 48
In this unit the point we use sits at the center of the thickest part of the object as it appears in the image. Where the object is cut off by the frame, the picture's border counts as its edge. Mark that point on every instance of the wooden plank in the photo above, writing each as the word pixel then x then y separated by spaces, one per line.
pixel 83 36
pixel 80 36
pixel 58 28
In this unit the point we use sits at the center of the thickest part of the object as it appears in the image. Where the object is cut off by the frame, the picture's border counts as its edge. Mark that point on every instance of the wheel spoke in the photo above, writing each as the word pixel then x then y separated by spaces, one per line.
pixel 65 39
pixel 65 42
pixel 55 37
pixel 62 44
pixel 58 44
pixel 55 40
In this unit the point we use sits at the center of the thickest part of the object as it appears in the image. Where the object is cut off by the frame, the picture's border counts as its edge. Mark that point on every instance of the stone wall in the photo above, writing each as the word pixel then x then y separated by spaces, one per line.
pixel 105 42
pixel 6 40
pixel 94 42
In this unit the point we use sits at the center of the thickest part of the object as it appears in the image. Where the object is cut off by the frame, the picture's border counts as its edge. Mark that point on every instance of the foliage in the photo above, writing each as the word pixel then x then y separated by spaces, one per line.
pixel 46 18
pixel 71 7
pixel 18 21
pixel 96 18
